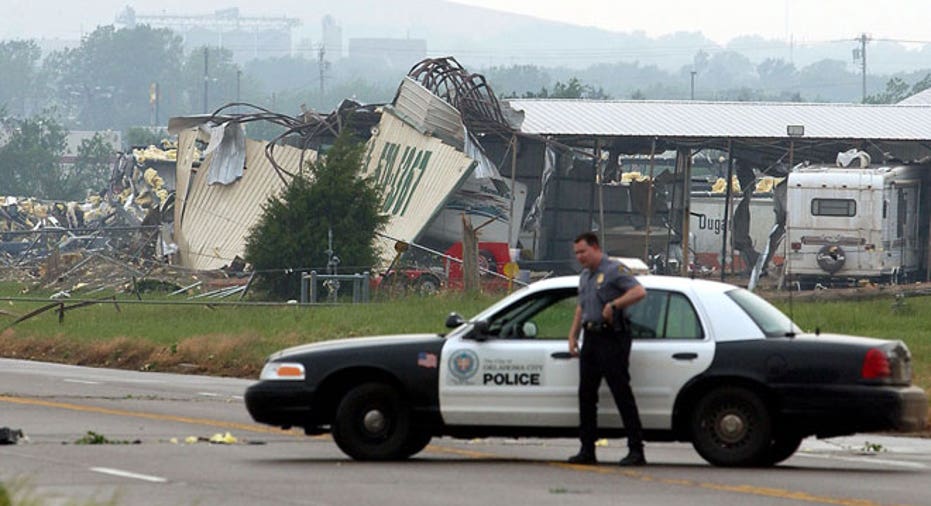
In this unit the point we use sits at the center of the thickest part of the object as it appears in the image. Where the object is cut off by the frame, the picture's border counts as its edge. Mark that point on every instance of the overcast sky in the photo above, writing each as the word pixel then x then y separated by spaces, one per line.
pixel 720 20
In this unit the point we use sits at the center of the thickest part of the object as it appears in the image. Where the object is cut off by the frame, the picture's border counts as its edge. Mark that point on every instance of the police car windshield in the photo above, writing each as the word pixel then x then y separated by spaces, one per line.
pixel 773 322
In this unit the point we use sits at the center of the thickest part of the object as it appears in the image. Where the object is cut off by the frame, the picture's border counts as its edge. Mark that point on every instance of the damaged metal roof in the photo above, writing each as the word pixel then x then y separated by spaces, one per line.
pixel 692 119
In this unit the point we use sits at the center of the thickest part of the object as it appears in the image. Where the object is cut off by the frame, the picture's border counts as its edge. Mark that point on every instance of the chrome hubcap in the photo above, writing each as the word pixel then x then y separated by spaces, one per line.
pixel 731 428
pixel 374 421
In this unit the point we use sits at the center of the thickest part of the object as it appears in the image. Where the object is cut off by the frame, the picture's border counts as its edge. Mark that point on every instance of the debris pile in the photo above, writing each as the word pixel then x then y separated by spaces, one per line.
pixel 111 240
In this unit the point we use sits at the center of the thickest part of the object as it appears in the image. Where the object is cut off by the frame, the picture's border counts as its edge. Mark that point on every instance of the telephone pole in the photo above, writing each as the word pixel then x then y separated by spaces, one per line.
pixel 206 79
pixel 321 54
pixel 860 54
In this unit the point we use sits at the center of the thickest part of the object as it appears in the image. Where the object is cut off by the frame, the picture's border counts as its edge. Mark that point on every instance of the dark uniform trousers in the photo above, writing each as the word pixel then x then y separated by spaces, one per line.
pixel 606 355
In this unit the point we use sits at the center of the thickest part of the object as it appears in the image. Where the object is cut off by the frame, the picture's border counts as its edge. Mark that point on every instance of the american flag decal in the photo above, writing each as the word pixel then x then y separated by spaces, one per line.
pixel 427 360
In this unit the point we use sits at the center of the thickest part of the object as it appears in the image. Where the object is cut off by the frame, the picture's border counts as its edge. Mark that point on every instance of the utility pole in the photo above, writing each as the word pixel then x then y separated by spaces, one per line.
pixel 206 79
pixel 321 54
pixel 693 84
pixel 860 54
pixel 238 79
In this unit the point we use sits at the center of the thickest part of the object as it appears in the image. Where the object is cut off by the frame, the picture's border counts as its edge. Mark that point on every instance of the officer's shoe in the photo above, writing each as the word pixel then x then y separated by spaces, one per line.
pixel 634 458
pixel 583 457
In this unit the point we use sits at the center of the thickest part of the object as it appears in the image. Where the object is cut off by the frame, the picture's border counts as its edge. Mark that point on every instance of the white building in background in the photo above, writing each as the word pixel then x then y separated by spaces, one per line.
pixel 332 38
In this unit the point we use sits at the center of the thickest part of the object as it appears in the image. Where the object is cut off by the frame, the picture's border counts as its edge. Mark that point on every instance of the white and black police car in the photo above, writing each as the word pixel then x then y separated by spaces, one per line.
pixel 711 364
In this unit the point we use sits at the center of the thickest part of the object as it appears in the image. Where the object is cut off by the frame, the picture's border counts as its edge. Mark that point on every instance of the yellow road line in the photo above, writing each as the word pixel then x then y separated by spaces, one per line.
pixel 149 416
pixel 792 495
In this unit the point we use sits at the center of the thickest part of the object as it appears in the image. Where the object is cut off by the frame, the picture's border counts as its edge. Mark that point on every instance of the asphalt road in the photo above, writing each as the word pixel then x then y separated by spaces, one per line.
pixel 146 417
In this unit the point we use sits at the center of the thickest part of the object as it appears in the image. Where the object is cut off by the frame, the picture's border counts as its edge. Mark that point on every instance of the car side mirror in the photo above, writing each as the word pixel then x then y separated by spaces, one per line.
pixel 454 320
pixel 479 330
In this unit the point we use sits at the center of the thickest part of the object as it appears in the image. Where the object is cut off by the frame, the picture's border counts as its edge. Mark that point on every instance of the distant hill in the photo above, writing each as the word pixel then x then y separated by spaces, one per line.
pixel 484 37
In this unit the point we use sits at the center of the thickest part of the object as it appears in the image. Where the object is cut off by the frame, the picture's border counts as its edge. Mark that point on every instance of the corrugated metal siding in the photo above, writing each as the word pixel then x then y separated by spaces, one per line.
pixel 428 112
pixel 722 119
pixel 217 218
pixel 442 173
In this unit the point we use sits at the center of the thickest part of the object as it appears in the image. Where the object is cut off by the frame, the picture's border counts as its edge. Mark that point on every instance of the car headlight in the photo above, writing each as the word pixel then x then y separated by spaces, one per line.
pixel 282 371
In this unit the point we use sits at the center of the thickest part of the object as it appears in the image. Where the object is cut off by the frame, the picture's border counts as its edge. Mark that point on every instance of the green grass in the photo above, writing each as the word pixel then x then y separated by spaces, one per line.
pixel 907 319
pixel 261 329
pixel 258 331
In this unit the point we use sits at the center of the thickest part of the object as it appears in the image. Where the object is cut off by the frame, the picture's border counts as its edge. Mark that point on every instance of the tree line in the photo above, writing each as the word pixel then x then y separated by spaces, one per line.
pixel 124 79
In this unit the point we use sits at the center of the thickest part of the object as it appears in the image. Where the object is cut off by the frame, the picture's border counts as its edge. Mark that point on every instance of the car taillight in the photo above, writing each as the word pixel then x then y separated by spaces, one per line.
pixel 875 365
pixel 796 246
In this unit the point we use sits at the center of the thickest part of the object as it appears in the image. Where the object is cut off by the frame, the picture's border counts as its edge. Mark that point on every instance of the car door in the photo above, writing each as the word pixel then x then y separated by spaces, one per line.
pixel 518 371
pixel 507 377
pixel 670 347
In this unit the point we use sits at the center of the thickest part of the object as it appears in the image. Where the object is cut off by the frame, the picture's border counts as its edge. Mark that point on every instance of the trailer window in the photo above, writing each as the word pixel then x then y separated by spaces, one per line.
pixel 833 207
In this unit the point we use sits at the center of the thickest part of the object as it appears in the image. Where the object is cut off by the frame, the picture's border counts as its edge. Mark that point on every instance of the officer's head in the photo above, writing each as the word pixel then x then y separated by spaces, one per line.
pixel 587 250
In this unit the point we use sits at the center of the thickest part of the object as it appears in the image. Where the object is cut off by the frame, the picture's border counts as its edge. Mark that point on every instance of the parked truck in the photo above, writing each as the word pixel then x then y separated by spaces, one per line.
pixel 847 224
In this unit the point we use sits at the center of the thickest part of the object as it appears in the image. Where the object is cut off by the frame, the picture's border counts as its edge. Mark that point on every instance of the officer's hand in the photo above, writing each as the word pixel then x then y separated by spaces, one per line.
pixel 607 312
pixel 573 347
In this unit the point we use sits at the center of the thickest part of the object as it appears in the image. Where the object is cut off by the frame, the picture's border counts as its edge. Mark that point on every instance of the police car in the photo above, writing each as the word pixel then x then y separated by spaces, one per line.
pixel 711 364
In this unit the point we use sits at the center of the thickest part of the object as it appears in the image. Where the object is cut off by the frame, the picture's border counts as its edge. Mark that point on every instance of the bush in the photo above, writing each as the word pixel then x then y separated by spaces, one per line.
pixel 292 233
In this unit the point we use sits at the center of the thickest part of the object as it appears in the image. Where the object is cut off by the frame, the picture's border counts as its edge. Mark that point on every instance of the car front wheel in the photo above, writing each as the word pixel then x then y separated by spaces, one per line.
pixel 731 427
pixel 373 423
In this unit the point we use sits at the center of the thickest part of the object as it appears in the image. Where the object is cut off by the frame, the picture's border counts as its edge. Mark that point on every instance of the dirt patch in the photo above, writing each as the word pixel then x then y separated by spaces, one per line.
pixel 211 355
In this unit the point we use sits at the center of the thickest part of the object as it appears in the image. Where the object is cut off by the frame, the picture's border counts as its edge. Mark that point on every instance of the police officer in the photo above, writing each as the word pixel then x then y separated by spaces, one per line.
pixel 605 290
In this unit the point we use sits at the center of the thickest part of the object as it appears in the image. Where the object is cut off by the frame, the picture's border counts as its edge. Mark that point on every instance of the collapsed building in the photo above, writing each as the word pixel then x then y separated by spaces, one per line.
pixel 688 187
pixel 650 177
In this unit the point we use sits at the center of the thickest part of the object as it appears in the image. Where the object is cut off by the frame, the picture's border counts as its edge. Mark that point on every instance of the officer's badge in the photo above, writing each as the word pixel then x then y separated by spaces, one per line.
pixel 600 279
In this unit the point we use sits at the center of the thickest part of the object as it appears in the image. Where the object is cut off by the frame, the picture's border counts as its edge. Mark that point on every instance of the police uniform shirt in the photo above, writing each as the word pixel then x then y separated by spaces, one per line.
pixel 608 282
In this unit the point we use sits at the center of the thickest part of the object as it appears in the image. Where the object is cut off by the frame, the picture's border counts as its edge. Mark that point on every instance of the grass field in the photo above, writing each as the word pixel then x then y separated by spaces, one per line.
pixel 234 340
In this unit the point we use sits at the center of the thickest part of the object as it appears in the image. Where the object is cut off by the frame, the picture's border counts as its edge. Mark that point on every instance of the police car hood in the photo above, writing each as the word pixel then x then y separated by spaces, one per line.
pixel 355 342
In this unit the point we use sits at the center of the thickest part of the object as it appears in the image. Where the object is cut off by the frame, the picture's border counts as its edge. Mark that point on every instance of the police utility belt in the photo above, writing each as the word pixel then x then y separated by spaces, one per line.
pixel 598 328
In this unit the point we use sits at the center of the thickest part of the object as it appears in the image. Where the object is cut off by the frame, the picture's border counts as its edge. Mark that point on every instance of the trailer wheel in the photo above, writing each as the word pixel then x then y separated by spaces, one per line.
pixel 487 262
pixel 831 258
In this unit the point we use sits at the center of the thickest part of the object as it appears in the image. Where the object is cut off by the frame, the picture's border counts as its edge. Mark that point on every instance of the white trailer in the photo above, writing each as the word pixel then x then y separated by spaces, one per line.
pixel 854 223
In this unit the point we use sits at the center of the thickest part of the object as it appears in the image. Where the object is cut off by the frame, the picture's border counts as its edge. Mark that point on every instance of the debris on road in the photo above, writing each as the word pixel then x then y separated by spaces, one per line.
pixel 10 436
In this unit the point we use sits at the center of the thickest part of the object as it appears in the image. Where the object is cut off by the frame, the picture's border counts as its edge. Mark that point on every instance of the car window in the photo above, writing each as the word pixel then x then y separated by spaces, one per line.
pixel 771 321
pixel 546 315
pixel 664 315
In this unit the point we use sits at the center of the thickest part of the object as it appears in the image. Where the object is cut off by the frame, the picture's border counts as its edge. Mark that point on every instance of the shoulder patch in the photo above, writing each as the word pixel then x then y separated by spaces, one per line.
pixel 623 269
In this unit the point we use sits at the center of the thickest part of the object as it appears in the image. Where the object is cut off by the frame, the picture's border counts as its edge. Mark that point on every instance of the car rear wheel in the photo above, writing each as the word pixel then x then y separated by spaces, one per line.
pixel 782 447
pixel 373 423
pixel 416 442
pixel 731 427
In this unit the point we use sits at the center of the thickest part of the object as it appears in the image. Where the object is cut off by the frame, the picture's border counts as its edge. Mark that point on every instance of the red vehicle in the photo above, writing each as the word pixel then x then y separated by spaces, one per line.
pixel 492 256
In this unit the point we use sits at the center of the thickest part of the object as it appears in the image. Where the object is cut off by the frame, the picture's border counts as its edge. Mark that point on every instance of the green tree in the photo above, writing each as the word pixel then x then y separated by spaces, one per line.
pixel 896 91
pixel 91 170
pixel 142 136
pixel 573 88
pixel 221 79
pixel 292 232
pixel 104 82
pixel 19 64
pixel 30 163
pixel 921 85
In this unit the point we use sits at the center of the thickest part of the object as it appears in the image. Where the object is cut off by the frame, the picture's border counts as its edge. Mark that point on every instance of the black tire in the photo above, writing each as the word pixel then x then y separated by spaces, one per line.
pixel 417 440
pixel 782 447
pixel 731 426
pixel 486 260
pixel 427 285
pixel 373 423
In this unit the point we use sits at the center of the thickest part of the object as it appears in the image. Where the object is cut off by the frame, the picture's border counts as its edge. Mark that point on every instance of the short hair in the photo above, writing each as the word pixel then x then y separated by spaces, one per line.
pixel 590 238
